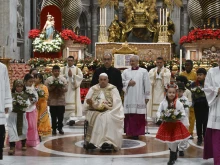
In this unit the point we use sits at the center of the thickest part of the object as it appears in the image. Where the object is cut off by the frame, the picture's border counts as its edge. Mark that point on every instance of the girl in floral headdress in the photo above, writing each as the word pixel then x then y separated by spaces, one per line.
pixel 32 135
pixel 17 122
pixel 171 131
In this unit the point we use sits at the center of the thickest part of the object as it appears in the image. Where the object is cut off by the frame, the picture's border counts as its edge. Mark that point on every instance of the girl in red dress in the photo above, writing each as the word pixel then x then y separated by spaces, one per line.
pixel 171 131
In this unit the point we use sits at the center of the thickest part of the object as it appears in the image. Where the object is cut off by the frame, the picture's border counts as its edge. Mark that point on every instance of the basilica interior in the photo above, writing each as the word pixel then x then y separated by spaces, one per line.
pixel 176 30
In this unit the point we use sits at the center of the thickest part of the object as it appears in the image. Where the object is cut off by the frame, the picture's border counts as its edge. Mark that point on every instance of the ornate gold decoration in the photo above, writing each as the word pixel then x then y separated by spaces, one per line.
pixel 125 49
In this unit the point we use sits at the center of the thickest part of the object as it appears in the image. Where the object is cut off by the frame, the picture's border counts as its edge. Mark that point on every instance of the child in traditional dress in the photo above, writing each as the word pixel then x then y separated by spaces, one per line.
pixel 43 122
pixel 173 131
pixel 183 145
pixel 32 135
pixel 17 122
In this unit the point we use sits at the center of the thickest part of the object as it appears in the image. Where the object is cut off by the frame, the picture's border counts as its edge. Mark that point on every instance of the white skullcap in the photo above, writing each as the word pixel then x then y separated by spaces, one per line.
pixel 103 74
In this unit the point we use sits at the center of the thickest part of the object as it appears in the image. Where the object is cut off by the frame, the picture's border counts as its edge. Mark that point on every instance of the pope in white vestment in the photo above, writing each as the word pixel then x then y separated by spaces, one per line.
pixel 159 77
pixel 105 116
pixel 74 76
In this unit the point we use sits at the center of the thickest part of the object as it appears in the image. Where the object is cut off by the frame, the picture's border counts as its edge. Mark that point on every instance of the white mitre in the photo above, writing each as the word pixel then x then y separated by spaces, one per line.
pixel 103 74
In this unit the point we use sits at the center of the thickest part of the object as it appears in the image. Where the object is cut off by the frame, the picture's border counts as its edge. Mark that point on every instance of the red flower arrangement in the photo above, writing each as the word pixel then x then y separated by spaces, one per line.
pixel 34 33
pixel 83 93
pixel 199 34
pixel 67 34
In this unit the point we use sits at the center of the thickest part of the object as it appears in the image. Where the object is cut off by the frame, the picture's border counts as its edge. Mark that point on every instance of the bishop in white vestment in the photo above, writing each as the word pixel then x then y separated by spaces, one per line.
pixel 136 87
pixel 74 76
pixel 212 136
pixel 105 116
pixel 159 77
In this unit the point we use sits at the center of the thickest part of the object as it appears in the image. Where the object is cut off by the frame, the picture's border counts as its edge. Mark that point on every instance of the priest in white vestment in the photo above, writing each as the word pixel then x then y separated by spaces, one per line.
pixel 212 136
pixel 74 76
pixel 159 77
pixel 136 87
pixel 5 103
pixel 105 116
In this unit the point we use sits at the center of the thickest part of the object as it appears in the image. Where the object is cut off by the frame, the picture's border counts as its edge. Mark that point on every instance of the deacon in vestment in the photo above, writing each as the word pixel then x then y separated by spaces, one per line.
pixel 136 86
pixel 159 78
pixel 74 76
pixel 5 103
pixel 212 136
pixel 105 116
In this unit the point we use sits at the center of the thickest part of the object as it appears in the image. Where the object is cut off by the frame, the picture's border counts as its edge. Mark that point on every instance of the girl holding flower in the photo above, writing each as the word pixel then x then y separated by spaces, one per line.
pixel 32 135
pixel 17 122
pixel 171 131
pixel 43 122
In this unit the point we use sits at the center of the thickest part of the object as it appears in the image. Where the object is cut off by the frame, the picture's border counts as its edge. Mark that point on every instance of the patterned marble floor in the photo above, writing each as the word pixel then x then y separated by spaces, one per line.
pixel 67 149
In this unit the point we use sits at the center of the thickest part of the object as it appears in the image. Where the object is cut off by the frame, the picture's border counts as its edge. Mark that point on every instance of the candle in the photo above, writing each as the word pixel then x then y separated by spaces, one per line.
pixel 100 16
pixel 3 51
pixel 105 16
pixel 163 17
pixel 166 16
pixel 67 52
pixel 181 56
pixel 160 19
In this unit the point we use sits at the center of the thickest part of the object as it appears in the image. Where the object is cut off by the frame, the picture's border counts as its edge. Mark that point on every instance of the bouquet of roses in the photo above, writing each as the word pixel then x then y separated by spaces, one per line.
pixel 40 92
pixel 31 95
pixel 170 115
pixel 57 83
pixel 20 101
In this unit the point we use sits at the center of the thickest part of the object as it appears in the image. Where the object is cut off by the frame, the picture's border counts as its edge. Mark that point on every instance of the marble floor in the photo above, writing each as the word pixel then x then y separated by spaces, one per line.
pixel 67 149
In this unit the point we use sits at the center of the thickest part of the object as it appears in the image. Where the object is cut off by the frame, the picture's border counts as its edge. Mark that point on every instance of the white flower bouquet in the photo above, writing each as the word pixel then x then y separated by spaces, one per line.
pixel 20 101
pixel 40 92
pixel 170 115
pixel 57 83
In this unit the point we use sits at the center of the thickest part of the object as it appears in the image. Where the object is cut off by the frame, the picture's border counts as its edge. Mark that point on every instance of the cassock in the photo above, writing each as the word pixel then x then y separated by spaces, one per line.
pixel 212 137
pixel 158 81
pixel 72 96
pixel 105 126
pixel 134 100
pixel 114 76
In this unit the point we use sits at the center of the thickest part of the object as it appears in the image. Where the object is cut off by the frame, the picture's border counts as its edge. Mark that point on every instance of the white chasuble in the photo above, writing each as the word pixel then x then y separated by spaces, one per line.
pixel 108 124
pixel 158 81
pixel 72 96
pixel 134 96
pixel 211 87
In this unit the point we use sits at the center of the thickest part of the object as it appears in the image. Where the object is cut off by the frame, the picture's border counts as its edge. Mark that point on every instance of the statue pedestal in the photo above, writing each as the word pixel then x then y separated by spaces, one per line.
pixel 5 61
pixel 194 50
pixel 74 49
pixel 48 55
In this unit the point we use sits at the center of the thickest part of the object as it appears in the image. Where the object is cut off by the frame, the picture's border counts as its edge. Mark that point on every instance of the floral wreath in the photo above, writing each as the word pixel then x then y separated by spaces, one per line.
pixel 40 45
pixel 171 85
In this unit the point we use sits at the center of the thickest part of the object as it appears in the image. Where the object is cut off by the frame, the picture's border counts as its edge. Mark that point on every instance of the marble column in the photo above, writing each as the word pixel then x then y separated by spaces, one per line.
pixel 186 20
pixel 94 27
pixel 8 28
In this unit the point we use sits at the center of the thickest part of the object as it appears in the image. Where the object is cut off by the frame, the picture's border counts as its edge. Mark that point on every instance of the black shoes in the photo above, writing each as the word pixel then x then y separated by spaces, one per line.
pixel 181 153
pixel 199 142
pixel 172 158
pixel 61 131
pixel 106 146
pixel 54 132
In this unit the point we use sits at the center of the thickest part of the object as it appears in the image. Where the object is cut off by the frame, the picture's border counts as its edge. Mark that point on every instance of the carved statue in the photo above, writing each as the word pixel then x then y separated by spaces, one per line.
pixel 170 29
pixel 20 19
pixel 49 27
pixel 114 30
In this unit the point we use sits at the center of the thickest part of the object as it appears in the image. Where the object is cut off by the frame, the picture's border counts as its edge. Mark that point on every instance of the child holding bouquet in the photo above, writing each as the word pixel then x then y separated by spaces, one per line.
pixel 57 87
pixel 171 131
pixel 17 122
pixel 43 122
pixel 32 135
pixel 200 104
pixel 183 145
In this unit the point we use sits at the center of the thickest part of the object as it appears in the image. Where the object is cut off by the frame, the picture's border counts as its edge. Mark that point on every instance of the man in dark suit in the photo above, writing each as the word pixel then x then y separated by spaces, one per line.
pixel 114 75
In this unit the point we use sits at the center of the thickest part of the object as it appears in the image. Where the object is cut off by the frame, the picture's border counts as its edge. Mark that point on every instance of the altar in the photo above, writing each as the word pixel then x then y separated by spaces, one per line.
pixel 146 51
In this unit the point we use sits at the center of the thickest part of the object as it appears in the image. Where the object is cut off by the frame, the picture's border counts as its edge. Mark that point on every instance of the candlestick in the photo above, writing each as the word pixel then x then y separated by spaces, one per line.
pixel 105 16
pixel 181 56
pixel 3 51
pixel 100 16
pixel 166 16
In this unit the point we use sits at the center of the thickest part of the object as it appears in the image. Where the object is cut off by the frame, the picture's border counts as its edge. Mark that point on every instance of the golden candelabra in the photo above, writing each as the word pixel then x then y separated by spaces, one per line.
pixel 163 34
